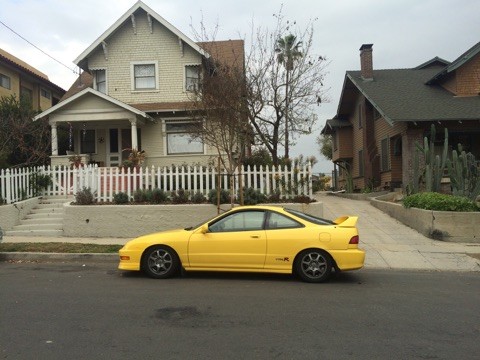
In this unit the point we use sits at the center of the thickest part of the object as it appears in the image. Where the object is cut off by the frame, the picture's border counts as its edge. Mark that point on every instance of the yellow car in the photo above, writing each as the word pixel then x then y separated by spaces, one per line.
pixel 266 239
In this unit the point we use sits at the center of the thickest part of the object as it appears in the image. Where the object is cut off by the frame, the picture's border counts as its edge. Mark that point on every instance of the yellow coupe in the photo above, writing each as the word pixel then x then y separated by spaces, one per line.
pixel 266 239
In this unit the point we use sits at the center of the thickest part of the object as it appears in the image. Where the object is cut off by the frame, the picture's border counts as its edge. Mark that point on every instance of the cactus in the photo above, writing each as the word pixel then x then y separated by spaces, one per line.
pixel 464 174
pixel 434 164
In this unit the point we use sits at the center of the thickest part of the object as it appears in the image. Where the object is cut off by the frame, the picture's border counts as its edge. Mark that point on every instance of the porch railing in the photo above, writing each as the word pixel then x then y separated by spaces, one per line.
pixel 19 184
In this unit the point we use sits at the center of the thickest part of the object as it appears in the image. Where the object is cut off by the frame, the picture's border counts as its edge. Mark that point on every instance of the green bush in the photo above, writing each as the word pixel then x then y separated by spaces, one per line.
pixel 198 198
pixel 304 199
pixel 142 196
pixel 180 196
pixel 84 197
pixel 159 196
pixel 39 182
pixel 121 198
pixel 224 197
pixel 253 197
pixel 439 202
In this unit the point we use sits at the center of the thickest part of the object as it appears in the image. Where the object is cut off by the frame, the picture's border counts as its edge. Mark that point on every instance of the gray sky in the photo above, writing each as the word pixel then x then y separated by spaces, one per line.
pixel 405 33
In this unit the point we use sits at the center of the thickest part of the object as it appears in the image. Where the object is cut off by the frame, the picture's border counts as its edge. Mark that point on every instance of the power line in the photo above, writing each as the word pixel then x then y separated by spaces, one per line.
pixel 36 47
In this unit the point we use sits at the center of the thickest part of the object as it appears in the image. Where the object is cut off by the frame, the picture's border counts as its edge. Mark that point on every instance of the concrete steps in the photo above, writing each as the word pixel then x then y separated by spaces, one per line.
pixel 46 219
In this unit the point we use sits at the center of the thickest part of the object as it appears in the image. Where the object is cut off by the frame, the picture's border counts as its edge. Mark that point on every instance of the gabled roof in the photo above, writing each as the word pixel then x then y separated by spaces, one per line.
pixel 14 61
pixel 89 90
pixel 462 59
pixel 125 17
pixel 403 95
pixel 334 123
pixel 436 61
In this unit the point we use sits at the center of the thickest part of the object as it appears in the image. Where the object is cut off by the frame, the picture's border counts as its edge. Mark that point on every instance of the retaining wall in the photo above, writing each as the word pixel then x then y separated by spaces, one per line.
pixel 439 225
pixel 11 214
pixel 127 221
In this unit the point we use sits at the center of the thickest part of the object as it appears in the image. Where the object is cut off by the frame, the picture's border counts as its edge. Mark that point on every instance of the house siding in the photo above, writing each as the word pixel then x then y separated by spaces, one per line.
pixel 344 150
pixel 468 78
pixel 125 47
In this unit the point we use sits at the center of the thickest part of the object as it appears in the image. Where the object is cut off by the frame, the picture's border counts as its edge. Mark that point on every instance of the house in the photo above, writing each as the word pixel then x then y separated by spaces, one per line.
pixel 135 92
pixel 21 80
pixel 382 114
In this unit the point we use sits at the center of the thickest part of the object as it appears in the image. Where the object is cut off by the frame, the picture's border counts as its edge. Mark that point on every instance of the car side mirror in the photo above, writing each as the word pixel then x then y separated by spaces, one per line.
pixel 204 229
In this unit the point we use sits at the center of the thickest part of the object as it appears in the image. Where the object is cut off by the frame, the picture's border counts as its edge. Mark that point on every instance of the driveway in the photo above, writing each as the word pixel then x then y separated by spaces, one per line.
pixel 391 244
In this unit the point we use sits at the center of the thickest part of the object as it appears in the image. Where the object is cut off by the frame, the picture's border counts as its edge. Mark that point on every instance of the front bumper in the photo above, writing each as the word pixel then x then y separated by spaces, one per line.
pixel 129 260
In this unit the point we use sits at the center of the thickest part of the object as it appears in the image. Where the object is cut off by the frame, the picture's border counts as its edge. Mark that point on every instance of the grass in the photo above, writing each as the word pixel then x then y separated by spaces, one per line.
pixel 59 247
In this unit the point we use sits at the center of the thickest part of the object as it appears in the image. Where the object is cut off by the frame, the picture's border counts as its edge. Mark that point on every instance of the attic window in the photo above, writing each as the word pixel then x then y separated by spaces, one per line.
pixel 45 93
pixel 192 77
pixel 101 81
pixel 144 75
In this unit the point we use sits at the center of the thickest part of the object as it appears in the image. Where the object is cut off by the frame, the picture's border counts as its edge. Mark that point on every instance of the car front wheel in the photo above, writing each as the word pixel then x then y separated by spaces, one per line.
pixel 313 266
pixel 160 262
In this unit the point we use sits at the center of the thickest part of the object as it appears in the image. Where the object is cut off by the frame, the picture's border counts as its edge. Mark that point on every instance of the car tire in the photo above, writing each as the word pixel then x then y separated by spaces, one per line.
pixel 160 262
pixel 313 265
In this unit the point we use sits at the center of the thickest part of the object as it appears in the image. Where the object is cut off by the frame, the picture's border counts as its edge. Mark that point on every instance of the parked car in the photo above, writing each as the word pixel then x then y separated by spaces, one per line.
pixel 265 239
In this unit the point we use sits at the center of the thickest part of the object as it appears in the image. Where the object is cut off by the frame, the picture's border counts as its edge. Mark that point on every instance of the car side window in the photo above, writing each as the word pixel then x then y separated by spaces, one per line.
pixel 239 221
pixel 279 221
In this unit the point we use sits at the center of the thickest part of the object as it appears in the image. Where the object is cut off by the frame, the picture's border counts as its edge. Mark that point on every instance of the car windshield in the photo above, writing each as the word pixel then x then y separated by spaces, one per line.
pixel 311 218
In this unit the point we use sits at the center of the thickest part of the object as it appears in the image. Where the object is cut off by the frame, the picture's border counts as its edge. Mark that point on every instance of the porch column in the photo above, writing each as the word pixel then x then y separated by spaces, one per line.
pixel 54 139
pixel 134 134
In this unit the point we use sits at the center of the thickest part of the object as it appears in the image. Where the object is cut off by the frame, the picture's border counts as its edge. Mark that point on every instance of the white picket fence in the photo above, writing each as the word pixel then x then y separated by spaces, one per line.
pixel 16 184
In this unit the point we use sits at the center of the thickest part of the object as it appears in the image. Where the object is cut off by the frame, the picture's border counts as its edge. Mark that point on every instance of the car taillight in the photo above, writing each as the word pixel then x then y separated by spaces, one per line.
pixel 354 240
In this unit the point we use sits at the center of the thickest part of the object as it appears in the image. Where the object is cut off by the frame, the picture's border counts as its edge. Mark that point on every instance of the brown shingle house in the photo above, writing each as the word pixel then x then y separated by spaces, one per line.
pixel 383 113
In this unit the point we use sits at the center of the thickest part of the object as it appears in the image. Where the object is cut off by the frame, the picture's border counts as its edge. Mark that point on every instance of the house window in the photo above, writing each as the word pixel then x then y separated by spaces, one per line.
pixel 144 76
pixel 101 81
pixel 192 77
pixel 360 163
pixel 87 142
pixel 360 116
pixel 385 146
pixel 5 81
pixel 26 95
pixel 179 139
pixel 45 93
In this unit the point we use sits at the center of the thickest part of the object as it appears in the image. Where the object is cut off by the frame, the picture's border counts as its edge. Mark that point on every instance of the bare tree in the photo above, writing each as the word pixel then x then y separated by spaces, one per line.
pixel 276 110
pixel 23 142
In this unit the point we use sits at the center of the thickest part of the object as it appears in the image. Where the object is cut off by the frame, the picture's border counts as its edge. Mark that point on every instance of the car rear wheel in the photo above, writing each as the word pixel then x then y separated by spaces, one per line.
pixel 160 262
pixel 313 266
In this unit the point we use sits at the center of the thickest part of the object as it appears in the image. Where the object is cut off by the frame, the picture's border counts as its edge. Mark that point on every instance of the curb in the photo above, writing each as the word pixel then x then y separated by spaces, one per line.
pixel 35 256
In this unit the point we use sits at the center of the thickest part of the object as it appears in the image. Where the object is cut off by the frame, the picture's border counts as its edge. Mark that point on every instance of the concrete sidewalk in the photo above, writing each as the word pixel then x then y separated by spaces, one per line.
pixel 388 243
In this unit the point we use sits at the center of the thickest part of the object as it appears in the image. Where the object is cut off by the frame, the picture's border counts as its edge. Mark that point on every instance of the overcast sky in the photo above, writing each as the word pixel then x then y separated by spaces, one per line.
pixel 405 33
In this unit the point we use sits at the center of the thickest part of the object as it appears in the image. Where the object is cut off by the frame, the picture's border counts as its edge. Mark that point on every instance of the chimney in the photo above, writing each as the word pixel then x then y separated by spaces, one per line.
pixel 366 61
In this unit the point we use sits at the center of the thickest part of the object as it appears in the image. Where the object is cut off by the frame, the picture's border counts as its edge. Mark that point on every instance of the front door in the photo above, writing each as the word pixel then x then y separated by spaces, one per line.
pixel 114 154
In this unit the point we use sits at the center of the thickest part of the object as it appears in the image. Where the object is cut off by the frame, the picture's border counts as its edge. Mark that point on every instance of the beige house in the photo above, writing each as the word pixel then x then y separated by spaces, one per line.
pixel 21 80
pixel 135 92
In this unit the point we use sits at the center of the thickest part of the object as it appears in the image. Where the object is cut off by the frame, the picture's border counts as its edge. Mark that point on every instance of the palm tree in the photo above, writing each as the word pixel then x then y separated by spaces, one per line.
pixel 288 50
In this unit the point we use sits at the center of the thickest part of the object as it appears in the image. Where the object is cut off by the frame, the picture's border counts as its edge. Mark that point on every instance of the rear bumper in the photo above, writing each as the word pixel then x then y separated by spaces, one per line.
pixel 351 259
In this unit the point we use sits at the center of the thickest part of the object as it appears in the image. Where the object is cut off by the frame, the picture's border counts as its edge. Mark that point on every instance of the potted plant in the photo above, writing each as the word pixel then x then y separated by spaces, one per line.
pixel 75 161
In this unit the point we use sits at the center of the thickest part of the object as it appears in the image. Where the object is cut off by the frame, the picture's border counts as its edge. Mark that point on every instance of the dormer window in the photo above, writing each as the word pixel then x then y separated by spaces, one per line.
pixel 192 77
pixel 101 81
pixel 144 75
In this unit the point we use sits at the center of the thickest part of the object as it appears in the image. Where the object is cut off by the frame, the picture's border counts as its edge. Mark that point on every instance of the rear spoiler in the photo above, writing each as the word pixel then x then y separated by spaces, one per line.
pixel 346 221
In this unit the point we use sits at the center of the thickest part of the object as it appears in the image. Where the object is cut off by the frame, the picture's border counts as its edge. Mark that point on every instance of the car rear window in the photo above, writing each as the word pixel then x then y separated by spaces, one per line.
pixel 310 218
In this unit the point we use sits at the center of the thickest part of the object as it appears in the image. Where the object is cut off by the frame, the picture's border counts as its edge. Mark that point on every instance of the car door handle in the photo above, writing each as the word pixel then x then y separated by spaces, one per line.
pixel 254 236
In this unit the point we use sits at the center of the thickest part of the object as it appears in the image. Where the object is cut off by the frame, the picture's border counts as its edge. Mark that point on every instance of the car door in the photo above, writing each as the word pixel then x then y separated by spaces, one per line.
pixel 236 240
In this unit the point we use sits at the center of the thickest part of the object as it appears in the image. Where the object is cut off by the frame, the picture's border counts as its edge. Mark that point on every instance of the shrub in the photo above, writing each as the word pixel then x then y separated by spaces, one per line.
pixel 253 197
pixel 142 196
pixel 120 198
pixel 84 197
pixel 224 197
pixel 304 199
pixel 439 202
pixel 180 196
pixel 159 196
pixel 198 198
pixel 39 182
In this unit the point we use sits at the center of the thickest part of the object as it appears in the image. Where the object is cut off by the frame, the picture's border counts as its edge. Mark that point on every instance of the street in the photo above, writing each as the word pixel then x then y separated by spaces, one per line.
pixel 91 311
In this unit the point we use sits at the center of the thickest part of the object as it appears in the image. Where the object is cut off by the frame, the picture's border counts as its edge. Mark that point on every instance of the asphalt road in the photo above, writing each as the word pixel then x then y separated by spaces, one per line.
pixel 92 311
